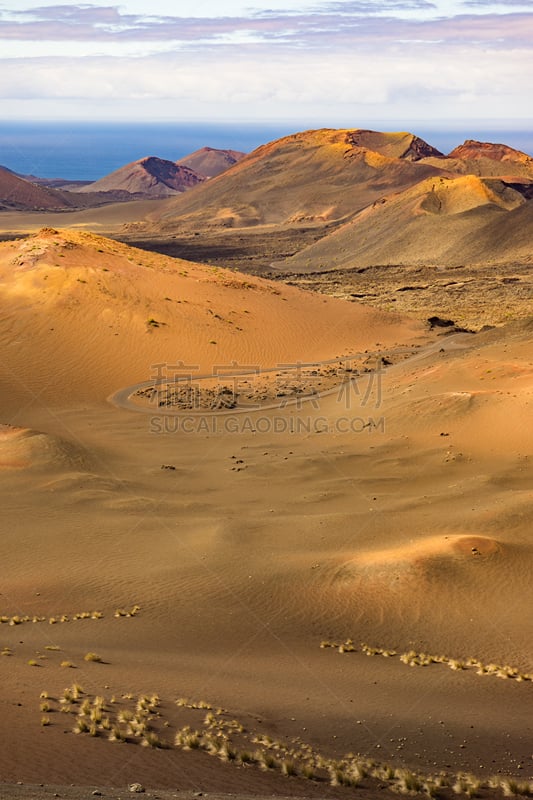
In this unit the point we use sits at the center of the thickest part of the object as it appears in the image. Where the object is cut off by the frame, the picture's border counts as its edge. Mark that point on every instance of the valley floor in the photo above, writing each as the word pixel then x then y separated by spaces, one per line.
pixel 219 584
pixel 318 598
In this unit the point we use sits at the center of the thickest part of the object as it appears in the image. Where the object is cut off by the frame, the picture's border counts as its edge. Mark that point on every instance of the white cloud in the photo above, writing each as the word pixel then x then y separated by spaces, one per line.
pixel 259 86
pixel 326 23
pixel 97 61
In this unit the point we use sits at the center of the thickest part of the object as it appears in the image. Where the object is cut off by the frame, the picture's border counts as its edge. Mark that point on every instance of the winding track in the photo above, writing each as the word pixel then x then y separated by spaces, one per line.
pixel 123 397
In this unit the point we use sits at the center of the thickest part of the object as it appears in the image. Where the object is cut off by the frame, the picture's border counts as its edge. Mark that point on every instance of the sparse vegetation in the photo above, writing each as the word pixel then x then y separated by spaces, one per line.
pixel 513 788
pixel 412 659
pixel 93 657
pixel 140 722
pixel 58 619
pixel 467 784
pixel 122 612
pixel 151 739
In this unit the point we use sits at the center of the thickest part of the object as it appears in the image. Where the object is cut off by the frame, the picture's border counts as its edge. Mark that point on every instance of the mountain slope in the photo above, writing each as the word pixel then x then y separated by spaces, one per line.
pixel 210 162
pixel 440 221
pixel 91 315
pixel 487 159
pixel 151 176
pixel 18 193
pixel 311 177
pixel 394 145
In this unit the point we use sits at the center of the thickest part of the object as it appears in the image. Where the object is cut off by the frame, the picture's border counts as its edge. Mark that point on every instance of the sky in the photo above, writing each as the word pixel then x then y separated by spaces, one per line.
pixel 322 62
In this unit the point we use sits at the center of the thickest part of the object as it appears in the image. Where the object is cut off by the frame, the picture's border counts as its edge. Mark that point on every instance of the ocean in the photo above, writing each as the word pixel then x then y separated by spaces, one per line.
pixel 88 151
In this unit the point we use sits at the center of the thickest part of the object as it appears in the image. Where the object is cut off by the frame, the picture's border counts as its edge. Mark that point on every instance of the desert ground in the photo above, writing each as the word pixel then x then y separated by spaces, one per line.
pixel 259 539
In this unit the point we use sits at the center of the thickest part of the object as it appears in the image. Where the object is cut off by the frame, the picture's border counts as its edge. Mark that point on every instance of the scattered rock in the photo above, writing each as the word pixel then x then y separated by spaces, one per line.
pixel 136 788
pixel 438 322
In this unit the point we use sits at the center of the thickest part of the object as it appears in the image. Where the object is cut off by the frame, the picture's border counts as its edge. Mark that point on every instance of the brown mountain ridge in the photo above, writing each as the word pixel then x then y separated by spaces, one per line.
pixel 209 161
pixel 327 193
pixel 17 193
pixel 313 176
pixel 158 177
pixel 152 176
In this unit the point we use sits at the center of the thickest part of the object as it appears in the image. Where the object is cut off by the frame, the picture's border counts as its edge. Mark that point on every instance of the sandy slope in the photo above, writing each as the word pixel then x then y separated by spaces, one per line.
pixel 91 303
pixel 394 512
pixel 106 220
pixel 439 222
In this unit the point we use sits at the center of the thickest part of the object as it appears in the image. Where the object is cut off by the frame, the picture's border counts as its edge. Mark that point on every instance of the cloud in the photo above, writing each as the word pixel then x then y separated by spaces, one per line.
pixel 372 7
pixel 355 8
pixel 245 83
pixel 309 64
pixel 96 15
pixel 491 3
pixel 335 24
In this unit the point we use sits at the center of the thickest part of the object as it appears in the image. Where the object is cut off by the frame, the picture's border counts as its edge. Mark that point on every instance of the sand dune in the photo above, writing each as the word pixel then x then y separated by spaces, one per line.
pixel 245 548
pixel 89 301
pixel 429 549
pixel 26 449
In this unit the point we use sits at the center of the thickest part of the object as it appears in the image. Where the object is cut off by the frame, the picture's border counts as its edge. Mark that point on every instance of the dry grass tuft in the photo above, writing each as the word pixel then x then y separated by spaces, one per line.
pixel 140 722
pixel 151 739
pixel 413 659
pixel 93 657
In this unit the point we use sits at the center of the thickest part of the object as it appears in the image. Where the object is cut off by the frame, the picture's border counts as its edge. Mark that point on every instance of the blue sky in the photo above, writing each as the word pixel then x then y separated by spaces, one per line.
pixel 329 62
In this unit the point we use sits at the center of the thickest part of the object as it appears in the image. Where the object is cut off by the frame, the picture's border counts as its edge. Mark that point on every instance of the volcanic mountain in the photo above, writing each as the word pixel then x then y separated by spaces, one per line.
pixel 440 221
pixel 209 162
pixel 18 193
pixel 488 160
pixel 150 176
pixel 310 177
pixel 366 198
pixel 402 145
